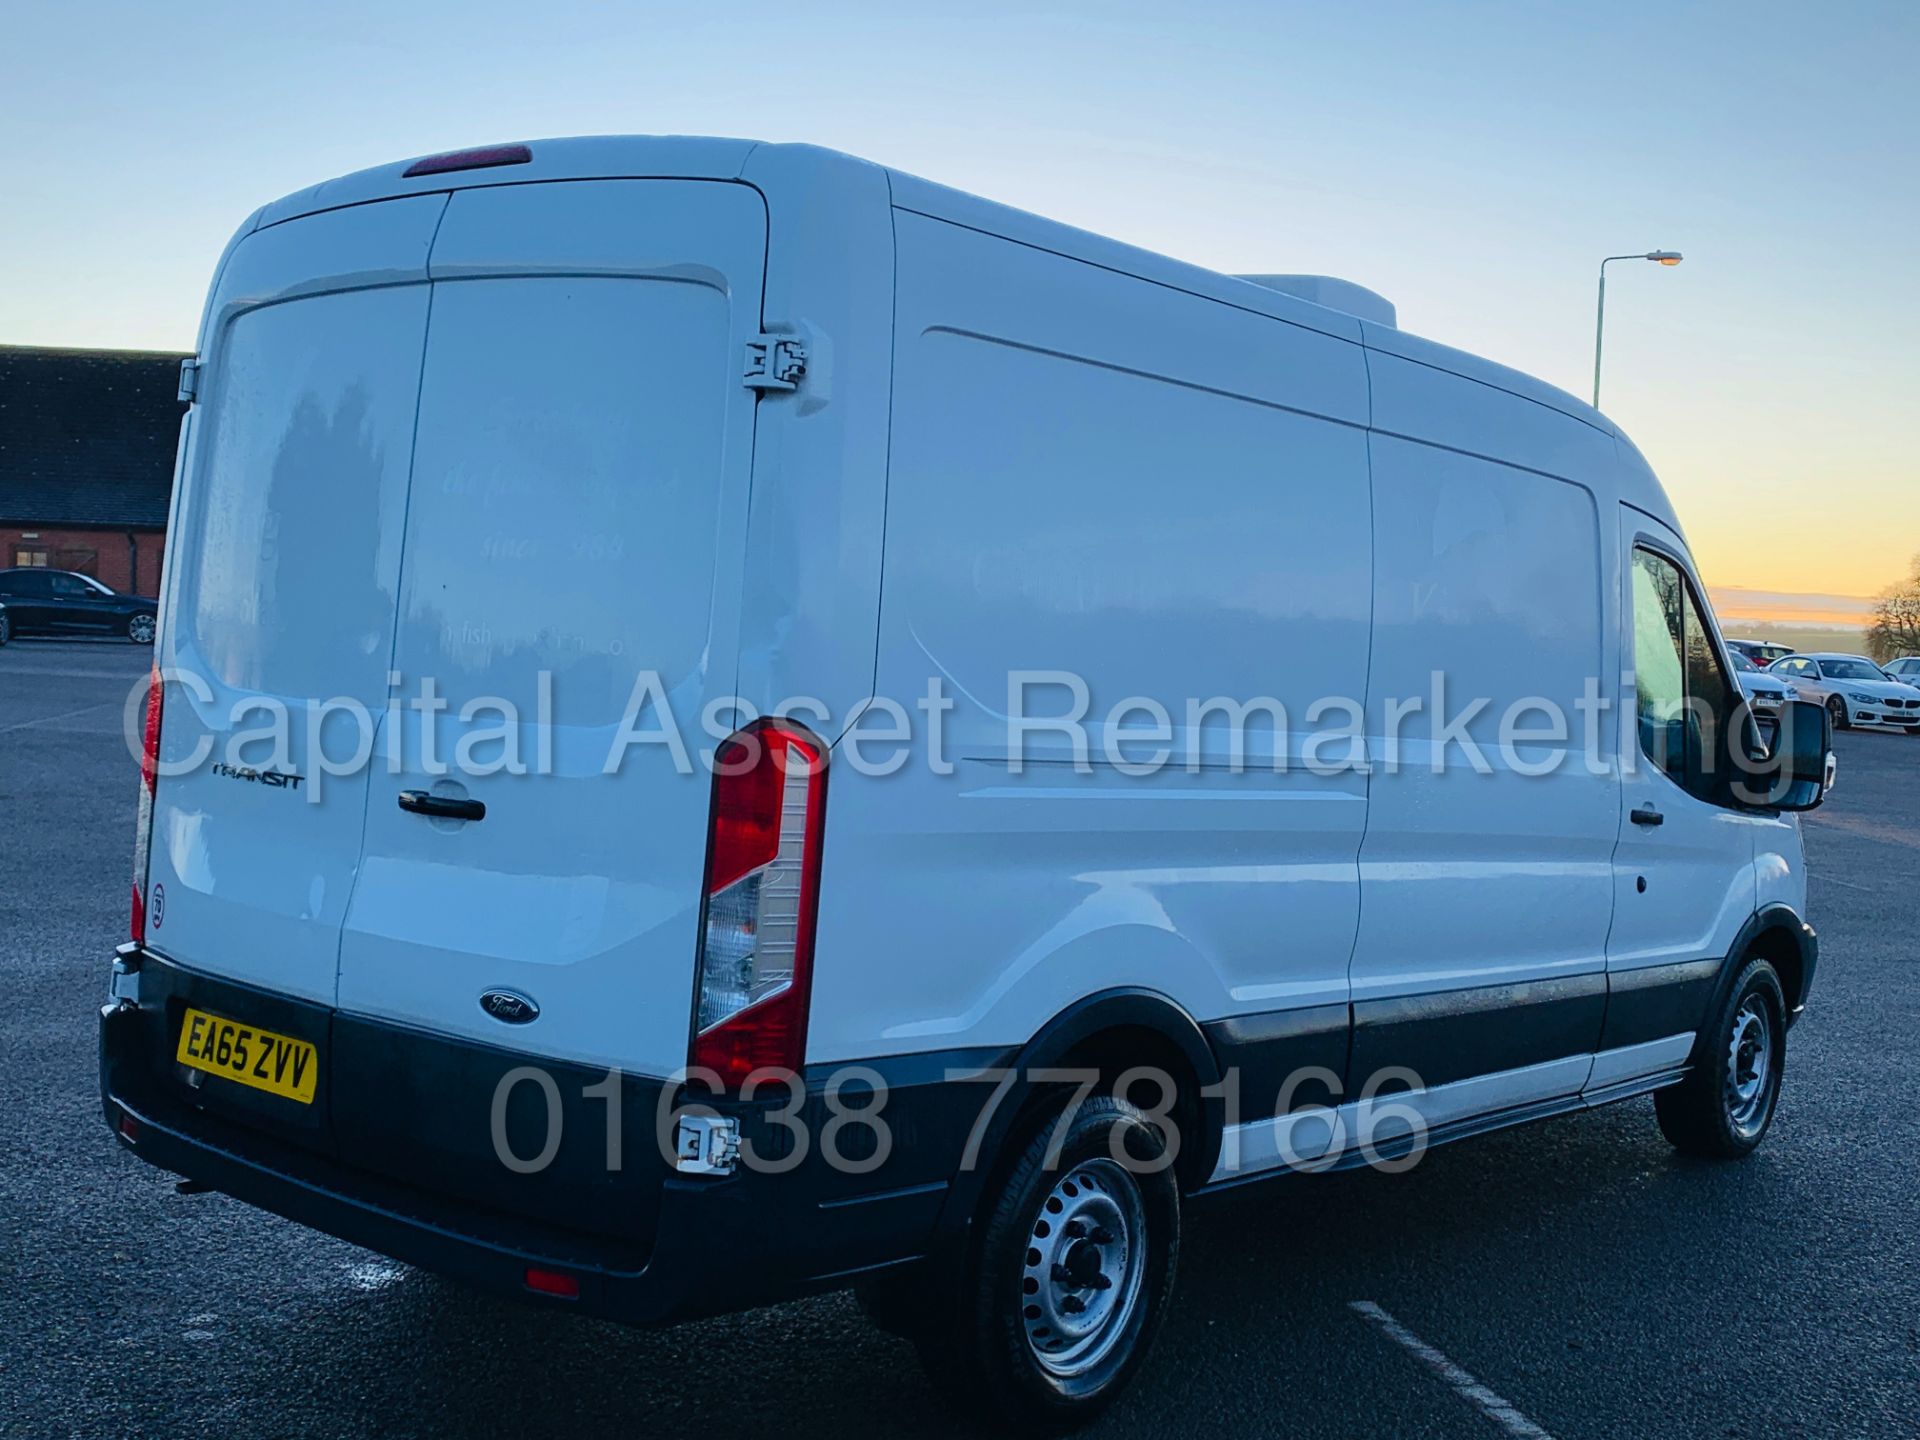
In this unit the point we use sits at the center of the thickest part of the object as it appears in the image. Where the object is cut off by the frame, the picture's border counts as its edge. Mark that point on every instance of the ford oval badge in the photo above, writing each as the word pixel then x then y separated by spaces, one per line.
pixel 510 1007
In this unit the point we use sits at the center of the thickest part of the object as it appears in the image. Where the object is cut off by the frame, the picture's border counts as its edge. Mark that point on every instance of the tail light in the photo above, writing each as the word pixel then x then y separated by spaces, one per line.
pixel 762 890
pixel 143 825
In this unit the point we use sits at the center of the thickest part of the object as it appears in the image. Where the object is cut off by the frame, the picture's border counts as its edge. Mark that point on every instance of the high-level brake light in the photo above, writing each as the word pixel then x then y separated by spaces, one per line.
pixel 483 158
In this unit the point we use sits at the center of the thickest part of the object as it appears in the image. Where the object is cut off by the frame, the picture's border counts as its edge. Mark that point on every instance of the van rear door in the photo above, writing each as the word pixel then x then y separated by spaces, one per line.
pixel 574 539
pixel 284 565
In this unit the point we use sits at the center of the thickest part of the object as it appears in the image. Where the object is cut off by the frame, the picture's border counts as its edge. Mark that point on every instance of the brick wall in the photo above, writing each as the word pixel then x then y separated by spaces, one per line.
pixel 103 554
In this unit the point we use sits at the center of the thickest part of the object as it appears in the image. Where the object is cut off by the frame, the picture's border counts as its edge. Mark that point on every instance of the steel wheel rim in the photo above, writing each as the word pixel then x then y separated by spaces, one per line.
pixel 1085 1268
pixel 1749 1073
pixel 141 630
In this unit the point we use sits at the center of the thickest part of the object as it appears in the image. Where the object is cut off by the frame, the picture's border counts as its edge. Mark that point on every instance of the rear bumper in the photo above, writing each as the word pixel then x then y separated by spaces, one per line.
pixel 646 1245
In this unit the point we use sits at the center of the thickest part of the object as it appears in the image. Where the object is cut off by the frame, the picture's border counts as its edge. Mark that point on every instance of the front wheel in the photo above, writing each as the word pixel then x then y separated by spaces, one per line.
pixel 1837 709
pixel 1722 1110
pixel 1071 1275
pixel 6 627
pixel 140 629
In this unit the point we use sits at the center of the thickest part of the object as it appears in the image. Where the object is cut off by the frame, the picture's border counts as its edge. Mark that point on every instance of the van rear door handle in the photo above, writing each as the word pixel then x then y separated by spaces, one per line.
pixel 422 802
pixel 1647 815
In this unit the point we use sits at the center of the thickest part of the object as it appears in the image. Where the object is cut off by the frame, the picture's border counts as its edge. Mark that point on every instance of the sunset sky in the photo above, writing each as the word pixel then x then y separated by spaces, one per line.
pixel 1471 161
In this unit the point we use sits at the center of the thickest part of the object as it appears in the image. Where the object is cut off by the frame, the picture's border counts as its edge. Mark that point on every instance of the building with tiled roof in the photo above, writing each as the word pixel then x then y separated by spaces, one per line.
pixel 87 440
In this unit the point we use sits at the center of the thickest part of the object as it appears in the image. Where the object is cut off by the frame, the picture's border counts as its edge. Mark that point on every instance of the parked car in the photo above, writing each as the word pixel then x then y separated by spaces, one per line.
pixel 1766 692
pixel 1906 669
pixel 6 625
pixel 1761 652
pixel 64 602
pixel 1854 690
pixel 897 1022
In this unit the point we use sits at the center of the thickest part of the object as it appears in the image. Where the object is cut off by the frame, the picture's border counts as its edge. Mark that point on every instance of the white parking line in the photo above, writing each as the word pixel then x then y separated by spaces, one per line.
pixel 54 719
pixel 1850 884
pixel 1500 1411
pixel 67 672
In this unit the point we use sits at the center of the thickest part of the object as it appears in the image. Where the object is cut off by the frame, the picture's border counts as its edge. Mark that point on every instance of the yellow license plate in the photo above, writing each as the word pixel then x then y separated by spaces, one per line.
pixel 248 1055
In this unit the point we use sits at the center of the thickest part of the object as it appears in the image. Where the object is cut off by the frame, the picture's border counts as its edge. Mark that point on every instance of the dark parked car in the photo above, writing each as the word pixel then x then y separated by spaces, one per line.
pixel 1761 652
pixel 6 625
pixel 61 602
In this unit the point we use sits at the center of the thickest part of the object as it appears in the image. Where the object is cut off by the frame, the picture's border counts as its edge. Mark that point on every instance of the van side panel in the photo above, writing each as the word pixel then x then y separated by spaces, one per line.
pixel 810 588
pixel 1113 484
pixel 1486 876
pixel 1422 402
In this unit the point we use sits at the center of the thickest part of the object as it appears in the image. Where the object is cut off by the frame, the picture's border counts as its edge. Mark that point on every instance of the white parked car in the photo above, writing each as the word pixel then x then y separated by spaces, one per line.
pixel 1906 669
pixel 604 435
pixel 1766 691
pixel 1854 690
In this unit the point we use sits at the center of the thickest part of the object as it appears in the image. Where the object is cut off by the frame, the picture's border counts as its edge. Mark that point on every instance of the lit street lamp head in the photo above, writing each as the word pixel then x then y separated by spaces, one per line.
pixel 1659 257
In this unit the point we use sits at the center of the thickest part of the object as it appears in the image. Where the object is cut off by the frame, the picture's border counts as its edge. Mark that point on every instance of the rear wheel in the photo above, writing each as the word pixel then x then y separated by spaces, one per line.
pixel 1723 1109
pixel 1070 1277
pixel 140 629
pixel 1837 708
pixel 6 628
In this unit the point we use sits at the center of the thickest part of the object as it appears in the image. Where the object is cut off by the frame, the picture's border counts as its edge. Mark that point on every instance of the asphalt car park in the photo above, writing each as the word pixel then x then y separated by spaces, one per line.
pixel 1576 1272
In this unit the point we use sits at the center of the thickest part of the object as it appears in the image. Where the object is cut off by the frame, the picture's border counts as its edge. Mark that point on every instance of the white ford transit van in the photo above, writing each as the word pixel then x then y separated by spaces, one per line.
pixel 730 722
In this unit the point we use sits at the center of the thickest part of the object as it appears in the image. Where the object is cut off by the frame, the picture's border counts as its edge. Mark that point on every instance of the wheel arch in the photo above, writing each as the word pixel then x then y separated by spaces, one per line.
pixel 1778 935
pixel 1110 1031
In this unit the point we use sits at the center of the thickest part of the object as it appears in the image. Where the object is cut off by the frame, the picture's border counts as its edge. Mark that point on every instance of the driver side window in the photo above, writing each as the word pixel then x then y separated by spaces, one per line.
pixel 1684 702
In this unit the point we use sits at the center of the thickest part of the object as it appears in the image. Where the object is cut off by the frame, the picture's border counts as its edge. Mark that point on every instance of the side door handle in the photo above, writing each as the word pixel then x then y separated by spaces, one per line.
pixel 1647 815
pixel 448 807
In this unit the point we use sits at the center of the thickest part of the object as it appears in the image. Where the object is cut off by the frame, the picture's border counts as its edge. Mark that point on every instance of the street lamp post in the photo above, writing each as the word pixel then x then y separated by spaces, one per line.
pixel 1659 257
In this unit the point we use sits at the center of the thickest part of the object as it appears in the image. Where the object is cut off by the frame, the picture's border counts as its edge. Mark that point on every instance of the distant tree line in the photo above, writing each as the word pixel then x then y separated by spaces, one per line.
pixel 1895 630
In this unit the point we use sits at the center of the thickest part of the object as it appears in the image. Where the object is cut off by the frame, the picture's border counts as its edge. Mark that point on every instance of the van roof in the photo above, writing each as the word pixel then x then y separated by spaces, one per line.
pixel 585 157
pixel 779 167
pixel 910 192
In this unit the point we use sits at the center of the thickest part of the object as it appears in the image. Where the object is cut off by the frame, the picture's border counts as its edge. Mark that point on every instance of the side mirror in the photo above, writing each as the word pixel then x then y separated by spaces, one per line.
pixel 1803 751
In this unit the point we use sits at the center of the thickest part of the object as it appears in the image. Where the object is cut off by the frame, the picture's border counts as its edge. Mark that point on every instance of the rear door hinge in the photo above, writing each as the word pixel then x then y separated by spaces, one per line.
pixel 190 379
pixel 775 362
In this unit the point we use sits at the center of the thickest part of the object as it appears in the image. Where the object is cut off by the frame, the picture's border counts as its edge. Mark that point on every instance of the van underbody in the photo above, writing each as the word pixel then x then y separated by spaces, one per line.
pixel 404 1163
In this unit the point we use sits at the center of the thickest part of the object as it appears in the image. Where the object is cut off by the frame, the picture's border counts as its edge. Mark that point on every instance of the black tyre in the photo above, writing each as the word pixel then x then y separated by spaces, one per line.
pixel 1069 1275
pixel 6 627
pixel 1722 1110
pixel 1837 708
pixel 140 628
